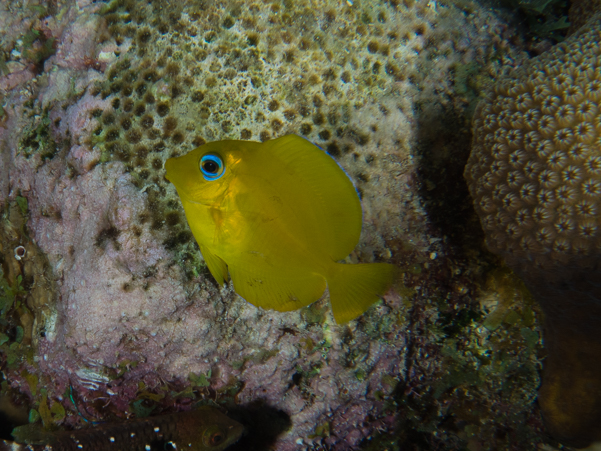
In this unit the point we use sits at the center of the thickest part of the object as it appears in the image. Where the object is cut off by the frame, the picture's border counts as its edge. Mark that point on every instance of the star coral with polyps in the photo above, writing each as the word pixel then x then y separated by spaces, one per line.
pixel 535 176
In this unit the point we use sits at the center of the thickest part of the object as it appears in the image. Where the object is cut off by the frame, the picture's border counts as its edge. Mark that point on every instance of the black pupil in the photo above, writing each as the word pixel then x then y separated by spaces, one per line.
pixel 210 166
pixel 216 439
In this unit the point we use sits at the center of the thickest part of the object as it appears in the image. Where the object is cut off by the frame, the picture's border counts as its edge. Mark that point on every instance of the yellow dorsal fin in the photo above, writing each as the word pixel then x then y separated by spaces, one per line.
pixel 335 203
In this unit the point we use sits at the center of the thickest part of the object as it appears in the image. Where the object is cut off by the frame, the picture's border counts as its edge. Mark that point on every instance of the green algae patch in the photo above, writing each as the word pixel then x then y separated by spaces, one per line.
pixel 232 388
pixel 237 364
pixel 200 380
pixel 37 139
pixel 51 415
pixel 9 293
pixel 322 430
pixel 510 301
pixel 531 337
pixel 34 416
pixel 32 382
pixel 360 375
pixel 23 205
pixel 156 397
pixel 315 313
pixel 308 344
pixel 26 304
pixel 123 367
pixel 264 355
pixel 141 409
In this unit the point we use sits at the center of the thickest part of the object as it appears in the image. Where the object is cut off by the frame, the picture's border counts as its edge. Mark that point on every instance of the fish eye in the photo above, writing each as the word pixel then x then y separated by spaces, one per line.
pixel 211 166
pixel 213 437
pixel 216 439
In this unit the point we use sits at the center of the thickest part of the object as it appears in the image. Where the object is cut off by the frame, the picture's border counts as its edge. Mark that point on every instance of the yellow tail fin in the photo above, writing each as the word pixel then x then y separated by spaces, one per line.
pixel 353 288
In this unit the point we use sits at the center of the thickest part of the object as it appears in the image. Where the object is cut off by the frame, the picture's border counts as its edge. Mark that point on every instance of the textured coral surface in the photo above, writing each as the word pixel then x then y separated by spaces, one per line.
pixel 535 175
pixel 96 96
pixel 535 167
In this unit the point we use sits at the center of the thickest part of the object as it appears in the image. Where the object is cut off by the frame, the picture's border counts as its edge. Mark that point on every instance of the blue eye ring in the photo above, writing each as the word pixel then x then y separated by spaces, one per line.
pixel 211 166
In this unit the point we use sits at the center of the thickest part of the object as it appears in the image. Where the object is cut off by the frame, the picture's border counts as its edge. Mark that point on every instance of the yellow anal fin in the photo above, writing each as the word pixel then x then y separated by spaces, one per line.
pixel 353 288
pixel 216 265
pixel 277 291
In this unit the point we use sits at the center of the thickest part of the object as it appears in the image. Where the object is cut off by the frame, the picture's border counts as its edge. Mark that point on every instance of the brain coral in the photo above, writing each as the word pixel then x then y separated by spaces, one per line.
pixel 535 176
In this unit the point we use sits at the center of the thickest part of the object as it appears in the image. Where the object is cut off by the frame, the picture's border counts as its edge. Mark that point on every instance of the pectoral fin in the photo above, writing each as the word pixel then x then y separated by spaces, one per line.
pixel 216 265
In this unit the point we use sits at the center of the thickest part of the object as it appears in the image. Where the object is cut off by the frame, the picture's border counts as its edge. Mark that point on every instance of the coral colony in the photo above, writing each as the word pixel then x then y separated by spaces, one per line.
pixel 535 175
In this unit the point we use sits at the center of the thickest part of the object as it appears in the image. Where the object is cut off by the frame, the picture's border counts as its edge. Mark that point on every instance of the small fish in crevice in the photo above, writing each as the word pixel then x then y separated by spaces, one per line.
pixel 204 429
pixel 277 217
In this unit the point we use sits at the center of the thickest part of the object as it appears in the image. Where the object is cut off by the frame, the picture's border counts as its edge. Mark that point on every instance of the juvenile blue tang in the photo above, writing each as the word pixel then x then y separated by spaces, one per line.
pixel 278 216
pixel 203 429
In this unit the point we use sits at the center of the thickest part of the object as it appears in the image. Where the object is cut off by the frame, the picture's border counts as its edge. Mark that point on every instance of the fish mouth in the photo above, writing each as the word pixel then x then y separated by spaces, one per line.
pixel 235 432
pixel 168 166
pixel 196 202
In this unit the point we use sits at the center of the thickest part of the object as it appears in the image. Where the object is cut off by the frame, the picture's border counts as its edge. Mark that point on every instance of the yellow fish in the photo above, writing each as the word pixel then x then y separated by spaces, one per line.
pixel 278 216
